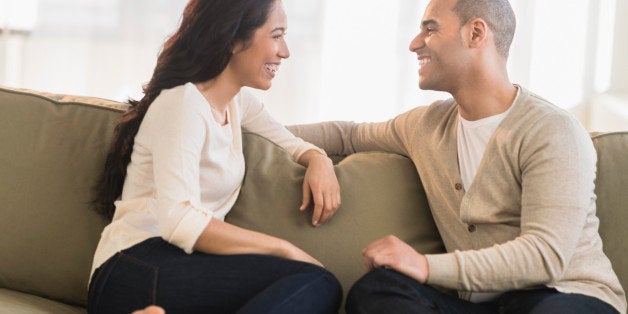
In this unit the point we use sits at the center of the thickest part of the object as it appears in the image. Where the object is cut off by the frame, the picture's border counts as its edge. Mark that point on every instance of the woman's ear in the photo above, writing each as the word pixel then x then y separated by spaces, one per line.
pixel 237 47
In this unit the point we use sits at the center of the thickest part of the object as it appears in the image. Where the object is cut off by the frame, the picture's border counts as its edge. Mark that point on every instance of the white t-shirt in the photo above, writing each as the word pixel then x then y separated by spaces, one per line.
pixel 473 136
pixel 186 169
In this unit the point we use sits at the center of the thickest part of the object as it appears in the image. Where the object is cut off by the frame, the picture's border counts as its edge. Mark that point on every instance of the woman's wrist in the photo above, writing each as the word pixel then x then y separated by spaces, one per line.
pixel 312 155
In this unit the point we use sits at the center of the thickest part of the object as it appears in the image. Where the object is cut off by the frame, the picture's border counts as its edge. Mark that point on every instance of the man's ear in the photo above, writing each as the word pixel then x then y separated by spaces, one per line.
pixel 478 32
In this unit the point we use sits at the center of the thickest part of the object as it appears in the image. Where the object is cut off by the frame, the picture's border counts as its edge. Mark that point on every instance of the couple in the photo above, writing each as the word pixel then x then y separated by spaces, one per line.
pixel 509 178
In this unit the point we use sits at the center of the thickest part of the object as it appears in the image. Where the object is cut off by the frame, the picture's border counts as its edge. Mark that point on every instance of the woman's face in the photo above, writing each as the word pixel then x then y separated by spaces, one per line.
pixel 255 63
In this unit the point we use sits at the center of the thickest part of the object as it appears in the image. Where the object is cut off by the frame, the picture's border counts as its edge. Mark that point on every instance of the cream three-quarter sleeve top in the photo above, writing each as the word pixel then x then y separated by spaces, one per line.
pixel 186 169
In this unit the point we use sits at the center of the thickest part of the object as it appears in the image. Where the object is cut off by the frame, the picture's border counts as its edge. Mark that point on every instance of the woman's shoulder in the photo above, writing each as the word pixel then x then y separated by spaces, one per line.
pixel 181 99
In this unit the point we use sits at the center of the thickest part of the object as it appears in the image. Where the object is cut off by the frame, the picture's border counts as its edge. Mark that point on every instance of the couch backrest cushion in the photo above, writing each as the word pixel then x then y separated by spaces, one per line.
pixel 51 150
pixel 381 195
pixel 611 188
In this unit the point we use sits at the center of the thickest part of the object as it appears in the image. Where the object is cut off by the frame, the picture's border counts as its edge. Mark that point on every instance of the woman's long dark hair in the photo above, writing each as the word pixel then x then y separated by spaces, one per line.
pixel 199 51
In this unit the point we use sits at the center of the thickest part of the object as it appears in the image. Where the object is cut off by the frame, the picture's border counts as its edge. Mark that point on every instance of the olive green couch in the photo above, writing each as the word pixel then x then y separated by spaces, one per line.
pixel 52 148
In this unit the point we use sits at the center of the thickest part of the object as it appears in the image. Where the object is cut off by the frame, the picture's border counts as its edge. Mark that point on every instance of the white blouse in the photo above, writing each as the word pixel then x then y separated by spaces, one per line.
pixel 186 169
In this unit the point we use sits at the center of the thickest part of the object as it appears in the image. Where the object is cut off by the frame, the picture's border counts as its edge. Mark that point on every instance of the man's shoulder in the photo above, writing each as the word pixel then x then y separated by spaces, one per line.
pixel 532 109
pixel 536 117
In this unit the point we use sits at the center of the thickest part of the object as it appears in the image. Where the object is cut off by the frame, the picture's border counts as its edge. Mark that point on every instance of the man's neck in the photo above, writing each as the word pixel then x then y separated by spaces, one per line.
pixel 484 98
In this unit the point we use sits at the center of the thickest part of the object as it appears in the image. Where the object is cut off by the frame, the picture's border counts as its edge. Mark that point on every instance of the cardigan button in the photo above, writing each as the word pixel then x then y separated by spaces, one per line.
pixel 471 228
pixel 458 186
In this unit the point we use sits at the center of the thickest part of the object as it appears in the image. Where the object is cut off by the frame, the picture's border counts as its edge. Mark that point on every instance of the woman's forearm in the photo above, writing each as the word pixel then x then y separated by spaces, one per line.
pixel 223 238
pixel 226 239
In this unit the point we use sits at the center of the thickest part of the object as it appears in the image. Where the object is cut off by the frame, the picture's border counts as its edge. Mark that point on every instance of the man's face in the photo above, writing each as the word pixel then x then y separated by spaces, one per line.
pixel 440 48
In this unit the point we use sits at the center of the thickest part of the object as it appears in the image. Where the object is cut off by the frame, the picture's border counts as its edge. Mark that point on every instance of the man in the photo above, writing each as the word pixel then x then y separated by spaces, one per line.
pixel 509 178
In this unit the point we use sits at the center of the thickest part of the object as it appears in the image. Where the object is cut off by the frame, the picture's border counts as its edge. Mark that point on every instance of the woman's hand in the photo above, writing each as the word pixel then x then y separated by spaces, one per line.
pixel 321 185
pixel 294 253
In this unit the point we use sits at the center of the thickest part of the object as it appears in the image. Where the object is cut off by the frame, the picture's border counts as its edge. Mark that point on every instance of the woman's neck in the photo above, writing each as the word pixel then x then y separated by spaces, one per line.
pixel 218 92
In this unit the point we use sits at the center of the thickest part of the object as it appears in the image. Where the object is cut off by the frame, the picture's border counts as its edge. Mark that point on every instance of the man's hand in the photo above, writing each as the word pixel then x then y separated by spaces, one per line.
pixel 393 253
pixel 320 183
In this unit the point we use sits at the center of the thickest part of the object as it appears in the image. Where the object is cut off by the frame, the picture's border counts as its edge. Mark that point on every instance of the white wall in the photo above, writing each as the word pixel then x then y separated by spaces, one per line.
pixel 350 58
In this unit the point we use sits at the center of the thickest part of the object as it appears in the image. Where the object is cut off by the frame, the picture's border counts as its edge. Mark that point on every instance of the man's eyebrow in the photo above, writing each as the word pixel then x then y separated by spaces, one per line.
pixel 429 22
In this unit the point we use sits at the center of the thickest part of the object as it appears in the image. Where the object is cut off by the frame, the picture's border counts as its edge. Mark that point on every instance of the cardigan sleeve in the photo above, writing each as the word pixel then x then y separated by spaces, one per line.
pixel 557 163
pixel 343 138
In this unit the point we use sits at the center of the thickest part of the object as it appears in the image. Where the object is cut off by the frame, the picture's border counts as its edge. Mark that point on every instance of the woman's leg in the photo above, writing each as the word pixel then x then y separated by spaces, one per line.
pixel 387 291
pixel 315 291
pixel 156 272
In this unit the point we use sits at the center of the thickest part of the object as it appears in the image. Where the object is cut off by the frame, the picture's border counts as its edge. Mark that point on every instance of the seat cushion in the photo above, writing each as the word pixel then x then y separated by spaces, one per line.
pixel 21 303
pixel 381 195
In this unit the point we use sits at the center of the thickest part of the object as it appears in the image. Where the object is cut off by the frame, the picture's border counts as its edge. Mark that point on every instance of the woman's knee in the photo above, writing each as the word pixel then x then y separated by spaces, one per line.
pixel 324 282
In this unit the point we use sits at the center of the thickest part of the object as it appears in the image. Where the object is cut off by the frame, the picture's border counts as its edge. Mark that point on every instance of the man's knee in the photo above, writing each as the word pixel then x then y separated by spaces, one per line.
pixel 386 288
pixel 379 281
pixel 369 283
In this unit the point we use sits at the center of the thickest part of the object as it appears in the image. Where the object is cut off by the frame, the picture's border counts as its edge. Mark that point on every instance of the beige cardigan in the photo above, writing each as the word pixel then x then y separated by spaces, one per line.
pixel 528 219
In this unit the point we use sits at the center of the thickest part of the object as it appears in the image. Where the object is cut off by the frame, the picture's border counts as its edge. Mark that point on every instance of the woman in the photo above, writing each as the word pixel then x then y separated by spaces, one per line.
pixel 175 169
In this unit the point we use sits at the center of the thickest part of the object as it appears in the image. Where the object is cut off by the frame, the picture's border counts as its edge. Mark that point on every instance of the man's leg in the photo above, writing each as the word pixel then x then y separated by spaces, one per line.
pixel 550 301
pixel 387 291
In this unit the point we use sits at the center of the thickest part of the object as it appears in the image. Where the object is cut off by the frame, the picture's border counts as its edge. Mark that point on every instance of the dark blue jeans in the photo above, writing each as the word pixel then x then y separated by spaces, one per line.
pixel 157 272
pixel 387 291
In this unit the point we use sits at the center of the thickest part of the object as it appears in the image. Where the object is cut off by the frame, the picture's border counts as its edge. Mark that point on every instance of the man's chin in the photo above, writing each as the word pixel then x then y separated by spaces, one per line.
pixel 425 86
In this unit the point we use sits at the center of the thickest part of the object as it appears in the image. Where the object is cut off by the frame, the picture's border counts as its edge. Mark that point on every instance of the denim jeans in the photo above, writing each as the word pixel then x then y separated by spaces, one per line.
pixel 387 291
pixel 157 272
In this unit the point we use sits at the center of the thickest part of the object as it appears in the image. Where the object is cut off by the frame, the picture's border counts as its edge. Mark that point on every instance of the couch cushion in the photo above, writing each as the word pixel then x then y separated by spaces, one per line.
pixel 21 303
pixel 381 195
pixel 611 188
pixel 53 148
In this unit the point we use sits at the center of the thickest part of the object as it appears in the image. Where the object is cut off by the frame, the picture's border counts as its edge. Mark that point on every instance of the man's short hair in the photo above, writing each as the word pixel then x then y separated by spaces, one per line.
pixel 497 14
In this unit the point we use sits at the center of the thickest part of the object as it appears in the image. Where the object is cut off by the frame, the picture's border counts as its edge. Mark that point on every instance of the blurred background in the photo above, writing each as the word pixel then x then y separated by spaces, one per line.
pixel 350 58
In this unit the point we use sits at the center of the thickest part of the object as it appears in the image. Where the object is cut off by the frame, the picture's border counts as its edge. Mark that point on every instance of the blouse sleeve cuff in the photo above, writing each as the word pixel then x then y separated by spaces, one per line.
pixel 189 229
pixel 443 270
pixel 296 155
